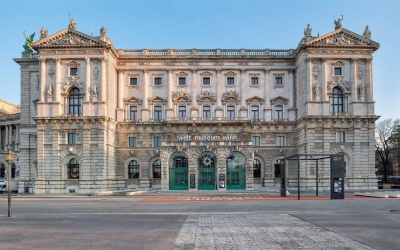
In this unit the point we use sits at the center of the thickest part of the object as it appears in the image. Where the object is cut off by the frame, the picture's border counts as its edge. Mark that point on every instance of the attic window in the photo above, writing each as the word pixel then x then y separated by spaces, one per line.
pixel 73 71
pixel 338 71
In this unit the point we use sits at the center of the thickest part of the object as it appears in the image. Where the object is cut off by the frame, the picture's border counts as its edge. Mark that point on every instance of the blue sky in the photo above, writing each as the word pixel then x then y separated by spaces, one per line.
pixel 207 24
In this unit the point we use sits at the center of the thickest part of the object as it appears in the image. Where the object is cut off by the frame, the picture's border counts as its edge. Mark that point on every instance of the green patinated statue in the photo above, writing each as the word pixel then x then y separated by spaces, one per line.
pixel 28 43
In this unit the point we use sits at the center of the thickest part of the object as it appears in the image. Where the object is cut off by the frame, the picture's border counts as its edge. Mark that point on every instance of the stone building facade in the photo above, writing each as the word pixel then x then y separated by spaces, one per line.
pixel 9 137
pixel 194 119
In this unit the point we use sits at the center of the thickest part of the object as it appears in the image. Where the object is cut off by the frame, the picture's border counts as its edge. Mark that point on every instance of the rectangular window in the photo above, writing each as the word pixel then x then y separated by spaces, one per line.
pixel 133 113
pixel 254 113
pixel 157 81
pixel 231 111
pixel 73 71
pixel 338 71
pixel 278 80
pixel 280 141
pixel 206 111
pixel 254 81
pixel 71 138
pixel 133 81
pixel 157 141
pixel 206 80
pixel 277 170
pixel 182 80
pixel 157 112
pixel 132 142
pixel 341 137
pixel 256 141
pixel 182 111
pixel 279 112
pixel 230 81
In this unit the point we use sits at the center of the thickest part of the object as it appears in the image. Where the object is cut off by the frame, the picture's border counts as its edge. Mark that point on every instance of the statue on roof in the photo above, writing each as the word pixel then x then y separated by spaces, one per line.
pixel 28 43
pixel 103 31
pixel 338 23
pixel 367 33
pixel 307 31
pixel 72 24
pixel 43 33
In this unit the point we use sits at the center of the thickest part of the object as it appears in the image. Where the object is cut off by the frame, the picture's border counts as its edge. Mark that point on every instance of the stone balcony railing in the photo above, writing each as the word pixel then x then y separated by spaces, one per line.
pixel 205 120
pixel 207 52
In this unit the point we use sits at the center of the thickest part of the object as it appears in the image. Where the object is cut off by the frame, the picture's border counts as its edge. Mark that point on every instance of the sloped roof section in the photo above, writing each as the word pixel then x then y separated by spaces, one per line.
pixel 68 38
pixel 344 38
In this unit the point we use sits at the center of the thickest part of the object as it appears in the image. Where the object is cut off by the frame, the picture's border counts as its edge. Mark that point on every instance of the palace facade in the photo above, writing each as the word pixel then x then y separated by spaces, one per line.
pixel 97 118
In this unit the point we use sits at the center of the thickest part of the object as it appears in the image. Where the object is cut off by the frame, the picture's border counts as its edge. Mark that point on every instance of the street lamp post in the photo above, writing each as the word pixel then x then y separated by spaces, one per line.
pixel 9 157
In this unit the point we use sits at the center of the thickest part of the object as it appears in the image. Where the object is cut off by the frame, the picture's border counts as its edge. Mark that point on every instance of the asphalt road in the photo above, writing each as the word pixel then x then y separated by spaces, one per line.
pixel 77 222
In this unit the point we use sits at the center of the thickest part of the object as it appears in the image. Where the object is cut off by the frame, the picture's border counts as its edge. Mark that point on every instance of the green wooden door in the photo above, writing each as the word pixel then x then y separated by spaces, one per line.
pixel 206 178
pixel 178 172
pixel 236 178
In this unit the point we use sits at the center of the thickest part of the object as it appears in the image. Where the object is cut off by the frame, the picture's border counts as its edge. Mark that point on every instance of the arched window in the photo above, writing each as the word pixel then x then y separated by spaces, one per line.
pixel 337 100
pixel 133 169
pixel 75 102
pixel 2 170
pixel 157 169
pixel 73 169
pixel 256 169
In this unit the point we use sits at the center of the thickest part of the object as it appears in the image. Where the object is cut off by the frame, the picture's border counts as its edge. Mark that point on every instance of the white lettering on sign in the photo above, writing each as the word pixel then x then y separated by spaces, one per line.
pixel 186 138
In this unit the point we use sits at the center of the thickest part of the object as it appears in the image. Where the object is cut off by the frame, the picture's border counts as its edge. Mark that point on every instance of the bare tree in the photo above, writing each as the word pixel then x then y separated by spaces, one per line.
pixel 384 143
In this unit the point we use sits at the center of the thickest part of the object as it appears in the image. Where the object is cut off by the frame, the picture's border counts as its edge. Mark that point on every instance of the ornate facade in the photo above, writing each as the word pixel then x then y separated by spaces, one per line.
pixel 194 119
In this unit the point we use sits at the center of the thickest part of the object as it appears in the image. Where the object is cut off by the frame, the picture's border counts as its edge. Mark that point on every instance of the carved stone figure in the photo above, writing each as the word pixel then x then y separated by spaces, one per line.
pixel 43 33
pixel 50 91
pixel 28 43
pixel 307 31
pixel 72 24
pixel 317 90
pixel 338 23
pixel 95 90
pixel 96 72
pixel 367 33
pixel 361 89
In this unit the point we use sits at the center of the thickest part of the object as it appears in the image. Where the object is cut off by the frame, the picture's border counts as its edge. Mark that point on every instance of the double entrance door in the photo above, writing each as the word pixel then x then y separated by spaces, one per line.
pixel 207 172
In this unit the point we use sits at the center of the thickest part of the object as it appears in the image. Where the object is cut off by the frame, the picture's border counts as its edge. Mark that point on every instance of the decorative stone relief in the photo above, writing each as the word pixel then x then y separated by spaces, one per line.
pixel 340 52
pixel 51 72
pixel 340 40
pixel 72 82
pixel 38 82
pixel 230 73
pixel 96 72
pixel 338 81
pixel 181 96
pixel 360 71
pixel 230 96
pixel 315 72
pixel 69 39
pixel 72 52
pixel 206 96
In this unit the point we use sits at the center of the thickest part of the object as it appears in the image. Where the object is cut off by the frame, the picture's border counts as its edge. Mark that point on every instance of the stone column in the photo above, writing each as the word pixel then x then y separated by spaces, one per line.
pixel 267 103
pixel 218 109
pixel 242 80
pixel 193 110
pixel 170 107
pixel 324 79
pixel 369 93
pixel 309 77
pixel 42 78
pixel 121 87
pixel 1 144
pixel 58 80
pixel 291 90
pixel 103 80
pixel 7 142
pixel 88 83
pixel 17 137
pixel 353 80
pixel 145 106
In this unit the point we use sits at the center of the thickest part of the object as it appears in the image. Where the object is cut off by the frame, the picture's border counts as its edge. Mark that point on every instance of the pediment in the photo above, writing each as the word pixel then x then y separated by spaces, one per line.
pixel 181 96
pixel 67 37
pixel 206 96
pixel 230 96
pixel 157 99
pixel 255 99
pixel 279 100
pixel 342 37
pixel 133 99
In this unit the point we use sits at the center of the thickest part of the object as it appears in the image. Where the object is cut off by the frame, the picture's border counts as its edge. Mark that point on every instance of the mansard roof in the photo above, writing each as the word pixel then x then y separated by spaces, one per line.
pixel 342 37
pixel 68 38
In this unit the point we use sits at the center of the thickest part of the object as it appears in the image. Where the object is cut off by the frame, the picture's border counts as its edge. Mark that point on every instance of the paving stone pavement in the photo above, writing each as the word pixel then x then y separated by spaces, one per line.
pixel 270 231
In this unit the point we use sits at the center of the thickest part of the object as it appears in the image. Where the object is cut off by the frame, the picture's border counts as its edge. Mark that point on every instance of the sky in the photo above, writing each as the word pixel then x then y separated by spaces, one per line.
pixel 207 24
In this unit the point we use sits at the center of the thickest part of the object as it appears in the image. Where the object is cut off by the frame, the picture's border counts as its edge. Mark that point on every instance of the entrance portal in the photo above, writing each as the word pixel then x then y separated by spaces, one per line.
pixel 236 171
pixel 178 172
pixel 207 171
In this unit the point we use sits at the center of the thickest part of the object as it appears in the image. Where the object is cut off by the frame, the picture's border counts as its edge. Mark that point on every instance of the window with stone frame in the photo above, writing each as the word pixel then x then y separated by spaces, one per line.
pixel 255 113
pixel 132 142
pixel 157 141
pixel 337 101
pixel 133 113
pixel 280 141
pixel 256 168
pixel 71 138
pixel 75 102
pixel 254 80
pixel 2 170
pixel 157 81
pixel 341 136
pixel 279 112
pixel 73 169
pixel 157 113
pixel 157 169
pixel 256 141
pixel 133 169
pixel 182 81
pixel 206 81
pixel 133 81
pixel 230 81
pixel 230 111
pixel 73 69
pixel 182 111
pixel 206 111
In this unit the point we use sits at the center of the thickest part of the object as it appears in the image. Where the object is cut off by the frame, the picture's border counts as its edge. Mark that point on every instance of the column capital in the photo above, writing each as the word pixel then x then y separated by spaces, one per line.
pixel 120 71
pixel 354 59
pixel 87 59
pixel 242 70
pixel 218 70
pixel 145 70
pixel 267 70
pixel 42 60
pixel 170 70
pixel 194 70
